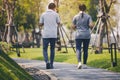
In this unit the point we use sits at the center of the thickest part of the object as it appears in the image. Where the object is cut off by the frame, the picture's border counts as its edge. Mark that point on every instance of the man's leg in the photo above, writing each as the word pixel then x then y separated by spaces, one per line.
pixel 52 51
pixel 45 52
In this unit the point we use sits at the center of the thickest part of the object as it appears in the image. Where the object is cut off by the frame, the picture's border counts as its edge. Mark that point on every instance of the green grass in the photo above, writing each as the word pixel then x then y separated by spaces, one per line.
pixel 95 60
pixel 10 70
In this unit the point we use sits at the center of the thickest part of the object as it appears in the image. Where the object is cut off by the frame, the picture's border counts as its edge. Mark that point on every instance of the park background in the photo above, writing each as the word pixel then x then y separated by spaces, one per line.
pixel 24 16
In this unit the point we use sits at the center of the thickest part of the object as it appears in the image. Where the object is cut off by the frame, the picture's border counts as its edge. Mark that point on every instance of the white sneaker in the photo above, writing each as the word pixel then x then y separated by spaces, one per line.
pixel 79 65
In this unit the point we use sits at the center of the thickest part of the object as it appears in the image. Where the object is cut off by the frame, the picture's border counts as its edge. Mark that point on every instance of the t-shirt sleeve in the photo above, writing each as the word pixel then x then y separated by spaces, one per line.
pixel 90 20
pixel 58 19
pixel 41 20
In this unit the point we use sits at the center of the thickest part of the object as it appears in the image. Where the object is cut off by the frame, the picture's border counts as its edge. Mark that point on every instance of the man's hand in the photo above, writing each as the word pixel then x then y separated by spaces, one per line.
pixel 73 27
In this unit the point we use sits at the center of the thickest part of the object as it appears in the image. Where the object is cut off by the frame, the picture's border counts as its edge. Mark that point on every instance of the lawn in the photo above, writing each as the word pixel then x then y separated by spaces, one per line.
pixel 95 60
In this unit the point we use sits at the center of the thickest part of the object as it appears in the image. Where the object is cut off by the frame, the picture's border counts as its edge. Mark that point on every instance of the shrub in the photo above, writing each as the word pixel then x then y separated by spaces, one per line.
pixel 5 47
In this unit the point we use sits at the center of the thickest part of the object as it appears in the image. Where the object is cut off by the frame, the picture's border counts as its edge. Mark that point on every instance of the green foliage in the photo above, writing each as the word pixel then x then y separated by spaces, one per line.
pixel 5 47
pixel 26 13
pixel 23 16
pixel 92 8
pixel 2 16
pixel 68 9
pixel 10 70
pixel 6 74
pixel 105 63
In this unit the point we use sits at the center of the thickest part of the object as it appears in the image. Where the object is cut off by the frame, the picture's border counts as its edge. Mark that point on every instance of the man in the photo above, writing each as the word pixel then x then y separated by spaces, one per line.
pixel 50 19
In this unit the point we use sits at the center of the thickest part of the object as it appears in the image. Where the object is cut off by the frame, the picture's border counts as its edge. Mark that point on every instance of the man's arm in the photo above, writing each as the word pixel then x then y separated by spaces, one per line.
pixel 73 27
pixel 41 21
pixel 59 24
pixel 40 25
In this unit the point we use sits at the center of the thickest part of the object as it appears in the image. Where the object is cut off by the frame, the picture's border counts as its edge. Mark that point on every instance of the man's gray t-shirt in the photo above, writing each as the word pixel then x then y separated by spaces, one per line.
pixel 50 19
pixel 82 26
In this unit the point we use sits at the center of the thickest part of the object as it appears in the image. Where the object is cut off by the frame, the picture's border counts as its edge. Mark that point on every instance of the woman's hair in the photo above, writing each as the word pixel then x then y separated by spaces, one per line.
pixel 51 6
pixel 82 7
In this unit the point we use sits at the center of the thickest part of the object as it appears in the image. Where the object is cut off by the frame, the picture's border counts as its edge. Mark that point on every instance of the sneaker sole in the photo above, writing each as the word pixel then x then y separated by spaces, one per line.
pixel 79 67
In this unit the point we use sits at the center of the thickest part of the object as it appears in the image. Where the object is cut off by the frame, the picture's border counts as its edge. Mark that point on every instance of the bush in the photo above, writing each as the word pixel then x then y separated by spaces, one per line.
pixel 5 47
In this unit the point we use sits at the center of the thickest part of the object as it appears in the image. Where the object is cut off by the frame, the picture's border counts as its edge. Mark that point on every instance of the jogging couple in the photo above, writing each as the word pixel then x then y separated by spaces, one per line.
pixel 50 20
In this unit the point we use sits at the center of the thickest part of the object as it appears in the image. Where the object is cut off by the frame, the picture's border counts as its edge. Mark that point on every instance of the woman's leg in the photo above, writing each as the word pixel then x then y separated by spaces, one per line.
pixel 85 49
pixel 78 49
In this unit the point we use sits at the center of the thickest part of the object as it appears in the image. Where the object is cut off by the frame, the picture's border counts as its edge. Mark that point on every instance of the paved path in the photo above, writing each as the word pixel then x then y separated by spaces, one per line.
pixel 64 71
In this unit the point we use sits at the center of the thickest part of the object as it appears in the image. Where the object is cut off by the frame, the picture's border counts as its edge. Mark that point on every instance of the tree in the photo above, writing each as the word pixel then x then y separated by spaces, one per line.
pixel 104 27
pixel 9 6
pixel 19 13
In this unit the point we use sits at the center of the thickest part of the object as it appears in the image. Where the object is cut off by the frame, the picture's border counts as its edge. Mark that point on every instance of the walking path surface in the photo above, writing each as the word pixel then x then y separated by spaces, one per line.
pixel 65 71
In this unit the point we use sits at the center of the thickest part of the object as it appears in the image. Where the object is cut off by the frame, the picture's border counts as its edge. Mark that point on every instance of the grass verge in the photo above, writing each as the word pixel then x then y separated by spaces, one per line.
pixel 10 70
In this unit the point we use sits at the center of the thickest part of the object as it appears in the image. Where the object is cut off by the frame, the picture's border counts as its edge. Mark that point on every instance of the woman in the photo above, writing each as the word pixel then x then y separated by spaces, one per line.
pixel 82 22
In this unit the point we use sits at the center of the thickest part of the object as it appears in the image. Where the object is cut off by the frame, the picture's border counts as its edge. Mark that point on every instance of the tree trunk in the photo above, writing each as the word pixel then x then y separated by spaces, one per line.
pixel 102 6
pixel 104 9
pixel 100 39
pixel 9 7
